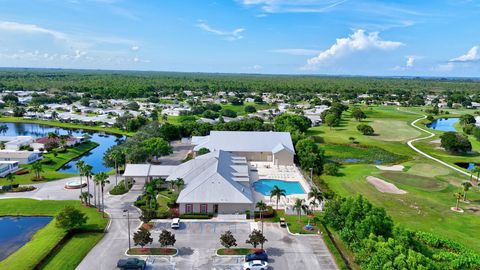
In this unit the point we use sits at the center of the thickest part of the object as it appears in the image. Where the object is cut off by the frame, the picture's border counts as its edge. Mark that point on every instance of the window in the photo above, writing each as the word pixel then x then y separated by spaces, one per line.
pixel 188 208
pixel 203 208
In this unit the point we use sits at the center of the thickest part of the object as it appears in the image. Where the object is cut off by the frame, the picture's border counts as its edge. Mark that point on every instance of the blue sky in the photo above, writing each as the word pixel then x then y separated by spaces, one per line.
pixel 338 37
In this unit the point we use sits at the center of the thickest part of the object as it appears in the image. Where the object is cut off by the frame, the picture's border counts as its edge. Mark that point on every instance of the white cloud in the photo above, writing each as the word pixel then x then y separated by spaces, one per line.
pixel 298 6
pixel 297 51
pixel 358 41
pixel 257 67
pixel 471 56
pixel 135 48
pixel 30 28
pixel 228 35
pixel 410 61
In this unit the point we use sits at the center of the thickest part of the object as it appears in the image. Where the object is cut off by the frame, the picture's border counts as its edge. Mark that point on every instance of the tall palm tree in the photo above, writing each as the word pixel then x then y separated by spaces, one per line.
pixel 457 196
pixel 88 174
pixel 101 179
pixel 179 183
pixel 300 206
pixel 261 206
pixel 84 197
pixel 277 193
pixel 317 195
pixel 37 168
pixel 466 186
pixel 313 204
pixel 80 164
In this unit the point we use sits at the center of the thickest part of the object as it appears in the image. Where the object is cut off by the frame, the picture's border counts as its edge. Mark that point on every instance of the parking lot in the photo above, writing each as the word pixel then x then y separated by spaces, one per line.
pixel 197 242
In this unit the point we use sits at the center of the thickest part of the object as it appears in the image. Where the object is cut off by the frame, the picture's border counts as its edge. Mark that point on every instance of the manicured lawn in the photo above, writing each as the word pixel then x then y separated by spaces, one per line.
pixel 430 186
pixel 111 130
pixel 296 225
pixel 240 109
pixel 152 251
pixel 50 170
pixel 343 153
pixel 44 240
pixel 72 253
pixel 234 251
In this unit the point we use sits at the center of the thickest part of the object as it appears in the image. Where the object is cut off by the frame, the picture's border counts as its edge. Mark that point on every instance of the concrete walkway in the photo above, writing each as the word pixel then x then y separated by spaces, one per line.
pixel 430 135
pixel 115 242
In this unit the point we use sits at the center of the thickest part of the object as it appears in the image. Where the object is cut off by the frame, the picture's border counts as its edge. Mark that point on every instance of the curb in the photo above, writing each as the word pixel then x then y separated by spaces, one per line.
pixel 171 256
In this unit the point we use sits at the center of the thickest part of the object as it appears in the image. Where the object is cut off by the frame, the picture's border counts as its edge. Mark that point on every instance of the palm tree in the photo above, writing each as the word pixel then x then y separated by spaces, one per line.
pixel 261 206
pixel 87 171
pixel 3 129
pixel 466 186
pixel 277 193
pixel 179 183
pixel 84 197
pixel 300 206
pixel 54 115
pixel 101 179
pixel 457 196
pixel 63 140
pixel 37 167
pixel 80 164
pixel 52 135
pixel 317 195
pixel 313 204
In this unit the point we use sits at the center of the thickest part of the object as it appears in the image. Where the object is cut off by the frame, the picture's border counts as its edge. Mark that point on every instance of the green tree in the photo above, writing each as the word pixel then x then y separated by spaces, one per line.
pixel 316 194
pixel 228 240
pixel 87 172
pixel 37 168
pixel 291 123
pixel 256 238
pixel 101 179
pixel 142 237
pixel 113 157
pixel 300 206
pixel 455 143
pixel 11 178
pixel 250 109
pixel 332 120
pixel 3 129
pixel 458 196
pixel 467 119
pixel 466 187
pixel 330 169
pixel 166 238
pixel 365 129
pixel 70 218
pixel 261 206
pixel 79 165
pixel 358 114
pixel 156 147
pixel 84 197
pixel 277 193
pixel 309 155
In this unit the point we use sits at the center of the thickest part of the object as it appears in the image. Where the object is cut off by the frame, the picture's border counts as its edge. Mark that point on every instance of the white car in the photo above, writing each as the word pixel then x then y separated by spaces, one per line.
pixel 255 265
pixel 175 223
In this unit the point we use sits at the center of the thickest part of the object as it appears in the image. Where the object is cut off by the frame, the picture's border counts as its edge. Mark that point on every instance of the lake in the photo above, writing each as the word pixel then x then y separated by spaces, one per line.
pixel 16 231
pixel 444 124
pixel 93 157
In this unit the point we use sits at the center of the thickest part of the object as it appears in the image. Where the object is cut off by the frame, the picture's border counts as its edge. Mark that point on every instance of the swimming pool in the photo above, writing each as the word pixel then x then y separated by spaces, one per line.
pixel 264 186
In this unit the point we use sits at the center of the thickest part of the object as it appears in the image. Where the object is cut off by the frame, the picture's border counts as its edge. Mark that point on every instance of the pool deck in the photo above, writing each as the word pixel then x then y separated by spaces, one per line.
pixel 267 170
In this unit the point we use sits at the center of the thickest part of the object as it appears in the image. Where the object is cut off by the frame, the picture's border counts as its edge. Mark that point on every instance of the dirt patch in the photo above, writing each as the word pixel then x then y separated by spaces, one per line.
pixel 384 186
pixel 395 168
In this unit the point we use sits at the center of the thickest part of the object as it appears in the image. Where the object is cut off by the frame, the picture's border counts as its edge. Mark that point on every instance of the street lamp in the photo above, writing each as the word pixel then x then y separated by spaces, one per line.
pixel 128 226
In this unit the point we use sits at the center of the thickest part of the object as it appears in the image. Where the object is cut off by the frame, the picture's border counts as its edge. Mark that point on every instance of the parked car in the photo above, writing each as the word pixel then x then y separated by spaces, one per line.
pixel 175 223
pixel 131 263
pixel 260 255
pixel 282 222
pixel 255 265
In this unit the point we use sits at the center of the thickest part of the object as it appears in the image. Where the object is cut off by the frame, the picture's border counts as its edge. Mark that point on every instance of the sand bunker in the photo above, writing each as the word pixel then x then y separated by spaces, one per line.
pixel 396 168
pixel 384 186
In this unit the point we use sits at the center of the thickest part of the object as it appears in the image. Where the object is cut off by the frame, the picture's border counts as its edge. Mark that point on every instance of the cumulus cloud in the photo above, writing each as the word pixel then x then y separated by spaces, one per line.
pixel 358 41
pixel 236 34
pixel 410 61
pixel 471 56
pixel 297 51
pixel 135 48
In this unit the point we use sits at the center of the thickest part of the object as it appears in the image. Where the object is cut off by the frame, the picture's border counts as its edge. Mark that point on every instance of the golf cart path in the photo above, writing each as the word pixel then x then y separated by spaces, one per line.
pixel 430 135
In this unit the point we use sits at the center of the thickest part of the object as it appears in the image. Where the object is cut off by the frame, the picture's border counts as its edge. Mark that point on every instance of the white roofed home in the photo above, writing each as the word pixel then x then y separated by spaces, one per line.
pixel 216 183
pixel 276 147
pixel 23 157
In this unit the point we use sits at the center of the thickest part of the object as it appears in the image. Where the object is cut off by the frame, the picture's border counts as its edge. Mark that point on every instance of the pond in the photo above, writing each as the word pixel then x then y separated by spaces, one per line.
pixel 16 231
pixel 94 157
pixel 444 124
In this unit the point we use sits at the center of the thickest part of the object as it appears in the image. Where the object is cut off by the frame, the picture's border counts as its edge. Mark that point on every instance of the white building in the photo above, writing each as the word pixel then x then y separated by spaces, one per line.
pixel 7 167
pixel 23 157
pixel 276 147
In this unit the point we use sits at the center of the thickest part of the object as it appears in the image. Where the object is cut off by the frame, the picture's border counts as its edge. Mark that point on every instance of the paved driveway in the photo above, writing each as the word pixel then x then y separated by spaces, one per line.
pixel 198 241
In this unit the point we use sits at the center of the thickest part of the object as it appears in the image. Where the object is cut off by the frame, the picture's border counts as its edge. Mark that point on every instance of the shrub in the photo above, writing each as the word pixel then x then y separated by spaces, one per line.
pixel 330 169
pixel 455 142
pixel 196 216
pixel 120 189
pixel 23 189
pixel 365 129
